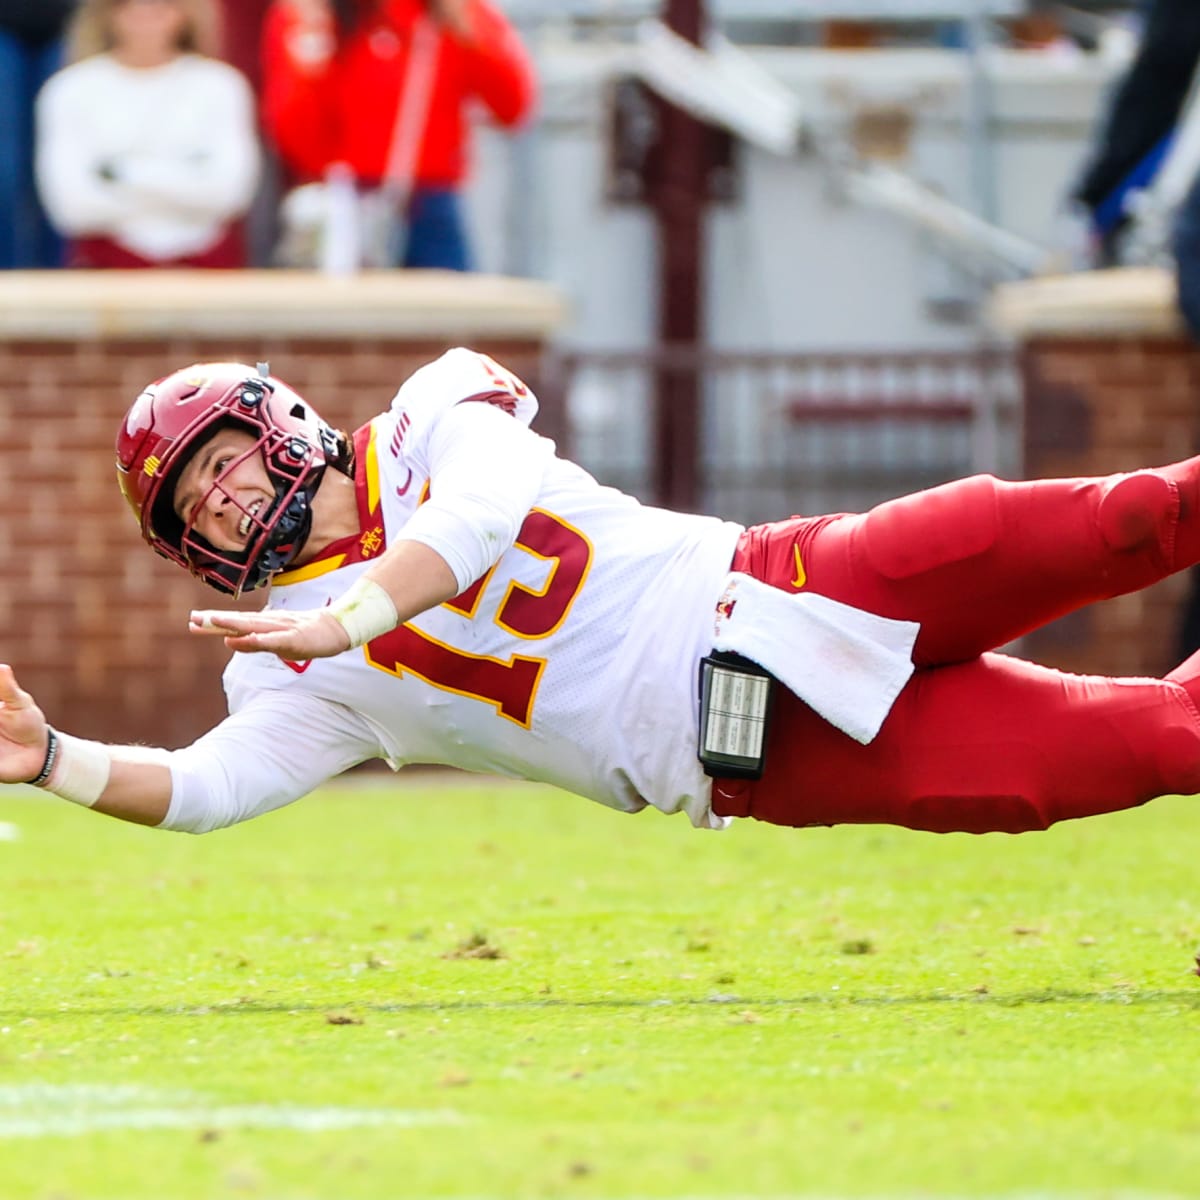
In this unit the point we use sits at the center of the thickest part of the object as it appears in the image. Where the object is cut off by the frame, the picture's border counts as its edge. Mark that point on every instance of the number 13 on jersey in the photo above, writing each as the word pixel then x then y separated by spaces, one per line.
pixel 509 684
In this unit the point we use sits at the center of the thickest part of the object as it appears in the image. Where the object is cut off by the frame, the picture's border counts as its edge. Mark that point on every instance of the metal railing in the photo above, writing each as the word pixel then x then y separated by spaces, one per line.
pixel 790 433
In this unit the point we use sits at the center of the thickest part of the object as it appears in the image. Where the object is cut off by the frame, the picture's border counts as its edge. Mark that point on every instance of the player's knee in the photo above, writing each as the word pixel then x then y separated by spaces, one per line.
pixel 934 528
pixel 1136 511
pixel 1177 758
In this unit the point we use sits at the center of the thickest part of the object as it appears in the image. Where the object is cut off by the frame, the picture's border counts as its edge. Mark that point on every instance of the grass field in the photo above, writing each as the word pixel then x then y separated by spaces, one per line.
pixel 413 989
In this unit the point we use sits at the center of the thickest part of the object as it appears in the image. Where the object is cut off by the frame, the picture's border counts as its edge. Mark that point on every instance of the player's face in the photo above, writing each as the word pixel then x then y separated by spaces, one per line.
pixel 223 487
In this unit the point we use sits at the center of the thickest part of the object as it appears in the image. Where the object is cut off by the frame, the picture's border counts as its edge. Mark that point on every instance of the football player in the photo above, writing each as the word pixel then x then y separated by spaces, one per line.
pixel 445 589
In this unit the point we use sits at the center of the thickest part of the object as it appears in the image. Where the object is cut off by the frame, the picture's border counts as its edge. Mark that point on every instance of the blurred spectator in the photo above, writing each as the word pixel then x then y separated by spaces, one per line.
pixel 1140 122
pixel 382 86
pixel 30 52
pixel 147 152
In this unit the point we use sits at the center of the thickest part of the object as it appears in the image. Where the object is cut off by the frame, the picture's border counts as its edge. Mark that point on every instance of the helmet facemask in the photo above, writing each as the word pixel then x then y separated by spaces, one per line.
pixel 276 532
pixel 169 425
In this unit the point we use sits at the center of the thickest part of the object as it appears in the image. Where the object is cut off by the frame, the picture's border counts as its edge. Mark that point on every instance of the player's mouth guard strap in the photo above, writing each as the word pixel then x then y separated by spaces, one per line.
pixel 75 769
pixel 735 711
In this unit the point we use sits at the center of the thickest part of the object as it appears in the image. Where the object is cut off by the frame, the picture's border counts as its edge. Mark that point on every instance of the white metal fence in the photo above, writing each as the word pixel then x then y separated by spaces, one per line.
pixel 781 434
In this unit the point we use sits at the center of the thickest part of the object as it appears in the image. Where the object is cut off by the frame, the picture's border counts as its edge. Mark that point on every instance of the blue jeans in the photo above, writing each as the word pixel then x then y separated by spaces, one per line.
pixel 435 236
pixel 26 237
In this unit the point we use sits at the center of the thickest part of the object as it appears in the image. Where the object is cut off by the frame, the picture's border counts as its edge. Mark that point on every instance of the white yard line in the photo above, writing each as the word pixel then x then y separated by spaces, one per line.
pixel 48 1110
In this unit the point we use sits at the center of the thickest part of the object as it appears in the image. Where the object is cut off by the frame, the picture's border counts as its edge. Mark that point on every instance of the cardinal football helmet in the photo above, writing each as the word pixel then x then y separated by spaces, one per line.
pixel 175 416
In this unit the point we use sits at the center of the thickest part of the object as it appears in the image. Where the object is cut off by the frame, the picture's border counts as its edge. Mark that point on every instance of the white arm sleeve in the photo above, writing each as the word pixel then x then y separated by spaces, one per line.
pixel 485 472
pixel 275 750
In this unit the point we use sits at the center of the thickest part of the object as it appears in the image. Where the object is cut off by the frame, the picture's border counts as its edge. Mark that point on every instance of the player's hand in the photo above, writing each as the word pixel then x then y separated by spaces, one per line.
pixel 22 731
pixel 296 636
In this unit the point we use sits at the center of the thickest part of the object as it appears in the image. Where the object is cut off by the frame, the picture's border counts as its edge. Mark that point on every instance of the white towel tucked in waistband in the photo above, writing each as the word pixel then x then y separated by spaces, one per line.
pixel 847 664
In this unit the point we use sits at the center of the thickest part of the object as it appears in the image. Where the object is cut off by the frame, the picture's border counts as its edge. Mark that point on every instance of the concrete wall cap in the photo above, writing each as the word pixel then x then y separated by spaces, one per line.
pixel 60 305
pixel 1138 301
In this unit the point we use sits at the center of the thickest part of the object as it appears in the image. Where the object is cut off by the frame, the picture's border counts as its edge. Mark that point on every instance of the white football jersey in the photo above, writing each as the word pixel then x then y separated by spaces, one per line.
pixel 572 660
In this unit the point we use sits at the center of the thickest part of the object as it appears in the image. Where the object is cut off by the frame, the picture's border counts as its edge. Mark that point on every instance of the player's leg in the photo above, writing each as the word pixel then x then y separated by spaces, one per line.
pixel 994 744
pixel 980 561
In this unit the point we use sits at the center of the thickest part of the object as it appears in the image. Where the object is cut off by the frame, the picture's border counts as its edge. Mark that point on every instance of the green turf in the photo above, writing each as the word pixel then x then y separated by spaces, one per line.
pixel 570 1002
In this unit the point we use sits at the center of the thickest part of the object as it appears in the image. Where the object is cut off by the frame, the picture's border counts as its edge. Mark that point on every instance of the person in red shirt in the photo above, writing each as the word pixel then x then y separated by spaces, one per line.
pixel 383 87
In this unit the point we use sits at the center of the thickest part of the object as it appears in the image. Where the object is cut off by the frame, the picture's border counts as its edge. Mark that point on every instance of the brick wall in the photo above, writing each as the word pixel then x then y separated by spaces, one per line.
pixel 1100 404
pixel 95 624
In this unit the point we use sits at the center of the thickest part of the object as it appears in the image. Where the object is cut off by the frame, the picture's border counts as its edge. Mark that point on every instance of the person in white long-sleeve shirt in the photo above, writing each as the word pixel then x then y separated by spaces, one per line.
pixel 444 588
pixel 147 147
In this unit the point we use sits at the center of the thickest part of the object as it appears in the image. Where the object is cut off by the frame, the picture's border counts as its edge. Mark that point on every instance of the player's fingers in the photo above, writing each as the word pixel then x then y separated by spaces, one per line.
pixel 207 621
pixel 208 629
pixel 292 643
pixel 212 619
pixel 11 695
pixel 243 641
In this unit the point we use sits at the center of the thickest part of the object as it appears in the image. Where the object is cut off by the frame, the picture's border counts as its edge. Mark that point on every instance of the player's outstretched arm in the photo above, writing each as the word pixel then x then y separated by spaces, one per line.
pixel 405 580
pixel 129 782
pixel 486 470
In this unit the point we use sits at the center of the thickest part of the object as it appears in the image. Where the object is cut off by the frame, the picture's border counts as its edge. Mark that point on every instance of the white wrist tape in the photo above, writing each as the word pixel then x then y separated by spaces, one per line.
pixel 80 771
pixel 364 612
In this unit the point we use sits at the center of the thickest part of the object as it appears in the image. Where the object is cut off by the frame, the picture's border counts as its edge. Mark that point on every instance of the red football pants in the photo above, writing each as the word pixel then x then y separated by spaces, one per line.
pixel 978 741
